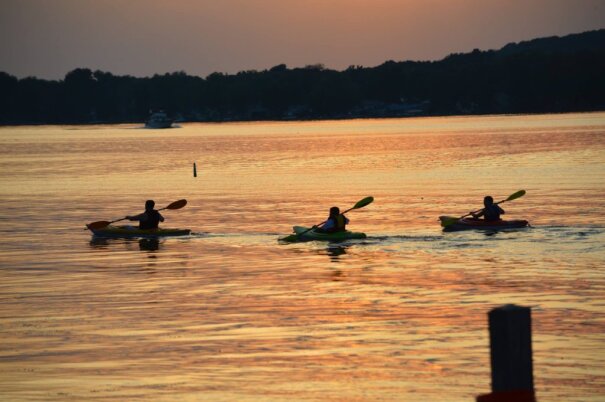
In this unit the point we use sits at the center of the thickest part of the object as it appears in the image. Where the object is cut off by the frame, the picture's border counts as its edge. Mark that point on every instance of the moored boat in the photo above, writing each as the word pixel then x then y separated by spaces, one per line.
pixel 131 231
pixel 480 224
pixel 159 120
pixel 302 233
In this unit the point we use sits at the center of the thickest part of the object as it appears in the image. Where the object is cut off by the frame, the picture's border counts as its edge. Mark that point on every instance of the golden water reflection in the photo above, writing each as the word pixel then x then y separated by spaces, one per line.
pixel 230 314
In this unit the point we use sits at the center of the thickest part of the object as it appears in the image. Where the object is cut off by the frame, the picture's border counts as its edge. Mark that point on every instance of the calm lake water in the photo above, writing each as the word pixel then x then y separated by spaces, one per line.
pixel 229 314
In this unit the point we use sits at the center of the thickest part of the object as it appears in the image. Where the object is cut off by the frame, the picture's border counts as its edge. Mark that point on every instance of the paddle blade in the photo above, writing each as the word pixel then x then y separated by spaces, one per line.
pixel 98 225
pixel 177 204
pixel 516 195
pixel 448 220
pixel 363 203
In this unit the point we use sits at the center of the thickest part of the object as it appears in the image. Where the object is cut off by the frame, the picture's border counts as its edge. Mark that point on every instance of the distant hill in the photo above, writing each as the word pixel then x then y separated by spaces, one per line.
pixel 542 75
pixel 593 41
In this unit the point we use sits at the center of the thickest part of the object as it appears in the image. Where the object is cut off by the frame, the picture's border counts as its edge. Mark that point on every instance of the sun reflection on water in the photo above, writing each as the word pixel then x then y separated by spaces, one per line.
pixel 228 313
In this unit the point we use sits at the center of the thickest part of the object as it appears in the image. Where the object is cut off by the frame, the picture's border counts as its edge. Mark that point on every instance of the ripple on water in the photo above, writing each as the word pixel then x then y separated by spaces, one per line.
pixel 231 314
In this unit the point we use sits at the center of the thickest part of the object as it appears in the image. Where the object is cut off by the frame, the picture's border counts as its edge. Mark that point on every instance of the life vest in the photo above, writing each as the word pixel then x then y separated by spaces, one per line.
pixel 492 213
pixel 340 224
pixel 152 221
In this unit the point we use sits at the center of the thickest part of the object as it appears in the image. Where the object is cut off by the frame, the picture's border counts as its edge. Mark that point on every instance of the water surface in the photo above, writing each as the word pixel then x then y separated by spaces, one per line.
pixel 230 314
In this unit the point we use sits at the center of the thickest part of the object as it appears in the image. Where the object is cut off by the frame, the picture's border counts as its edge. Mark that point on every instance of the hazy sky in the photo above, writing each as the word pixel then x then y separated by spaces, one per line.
pixel 48 38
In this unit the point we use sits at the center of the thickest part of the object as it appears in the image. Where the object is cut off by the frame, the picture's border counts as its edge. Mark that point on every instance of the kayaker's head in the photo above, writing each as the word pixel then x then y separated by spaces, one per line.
pixel 334 211
pixel 488 200
pixel 149 204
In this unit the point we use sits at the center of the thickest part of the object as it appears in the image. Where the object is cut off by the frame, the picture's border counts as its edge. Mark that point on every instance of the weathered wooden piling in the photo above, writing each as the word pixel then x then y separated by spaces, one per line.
pixel 511 355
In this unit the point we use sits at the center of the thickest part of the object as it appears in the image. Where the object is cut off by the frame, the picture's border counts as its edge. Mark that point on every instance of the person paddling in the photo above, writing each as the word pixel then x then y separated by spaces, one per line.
pixel 491 212
pixel 149 219
pixel 336 222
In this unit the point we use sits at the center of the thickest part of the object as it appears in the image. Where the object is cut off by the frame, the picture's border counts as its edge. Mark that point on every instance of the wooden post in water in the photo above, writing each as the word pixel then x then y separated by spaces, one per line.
pixel 511 355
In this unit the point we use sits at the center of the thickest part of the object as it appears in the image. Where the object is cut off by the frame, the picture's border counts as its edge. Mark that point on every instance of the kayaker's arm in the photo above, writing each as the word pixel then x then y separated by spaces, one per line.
pixel 142 217
pixel 139 217
pixel 478 214
pixel 330 224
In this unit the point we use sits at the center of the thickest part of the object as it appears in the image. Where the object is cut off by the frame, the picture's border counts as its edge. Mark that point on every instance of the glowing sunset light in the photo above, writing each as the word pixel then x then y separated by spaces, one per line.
pixel 48 39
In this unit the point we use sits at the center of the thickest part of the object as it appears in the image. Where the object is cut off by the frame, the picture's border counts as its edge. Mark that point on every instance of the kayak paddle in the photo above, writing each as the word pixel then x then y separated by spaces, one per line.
pixel 101 224
pixel 450 220
pixel 359 204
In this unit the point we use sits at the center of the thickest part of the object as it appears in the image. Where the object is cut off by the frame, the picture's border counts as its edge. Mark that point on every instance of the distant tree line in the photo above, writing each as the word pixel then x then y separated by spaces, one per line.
pixel 543 75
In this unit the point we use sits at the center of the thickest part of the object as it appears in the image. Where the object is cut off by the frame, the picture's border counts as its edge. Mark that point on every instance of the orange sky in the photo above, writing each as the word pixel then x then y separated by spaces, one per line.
pixel 48 38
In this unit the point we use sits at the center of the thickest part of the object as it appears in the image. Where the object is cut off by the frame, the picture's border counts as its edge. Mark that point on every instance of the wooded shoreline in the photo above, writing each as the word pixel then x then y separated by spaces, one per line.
pixel 549 75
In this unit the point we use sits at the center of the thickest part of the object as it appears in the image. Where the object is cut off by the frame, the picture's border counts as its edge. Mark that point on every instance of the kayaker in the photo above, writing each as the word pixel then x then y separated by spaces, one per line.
pixel 335 223
pixel 149 219
pixel 491 212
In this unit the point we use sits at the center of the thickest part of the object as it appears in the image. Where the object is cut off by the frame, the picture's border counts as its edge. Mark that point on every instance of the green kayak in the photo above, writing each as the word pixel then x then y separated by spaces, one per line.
pixel 313 235
pixel 130 231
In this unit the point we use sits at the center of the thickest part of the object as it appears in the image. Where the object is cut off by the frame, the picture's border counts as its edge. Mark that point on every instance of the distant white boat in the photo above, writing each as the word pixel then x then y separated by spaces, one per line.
pixel 159 120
